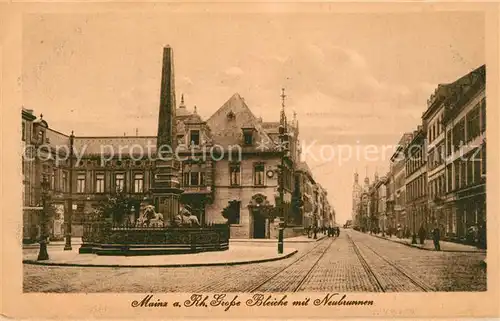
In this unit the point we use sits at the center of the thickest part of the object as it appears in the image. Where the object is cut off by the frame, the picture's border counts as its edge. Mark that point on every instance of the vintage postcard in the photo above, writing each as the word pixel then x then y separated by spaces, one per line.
pixel 239 160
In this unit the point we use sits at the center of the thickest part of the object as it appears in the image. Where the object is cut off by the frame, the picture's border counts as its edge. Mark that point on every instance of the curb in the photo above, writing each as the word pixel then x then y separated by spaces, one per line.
pixel 274 240
pixel 37 246
pixel 425 249
pixel 34 262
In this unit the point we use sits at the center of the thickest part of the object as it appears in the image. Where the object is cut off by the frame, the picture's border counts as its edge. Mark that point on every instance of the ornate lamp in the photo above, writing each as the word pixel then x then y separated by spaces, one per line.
pixel 132 215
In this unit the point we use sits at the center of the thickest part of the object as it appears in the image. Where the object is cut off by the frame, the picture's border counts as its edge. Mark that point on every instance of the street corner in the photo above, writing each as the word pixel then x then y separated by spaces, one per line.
pixel 236 255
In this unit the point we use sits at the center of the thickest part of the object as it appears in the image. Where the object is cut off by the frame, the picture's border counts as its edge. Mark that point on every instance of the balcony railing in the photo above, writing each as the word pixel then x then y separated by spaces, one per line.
pixel 197 189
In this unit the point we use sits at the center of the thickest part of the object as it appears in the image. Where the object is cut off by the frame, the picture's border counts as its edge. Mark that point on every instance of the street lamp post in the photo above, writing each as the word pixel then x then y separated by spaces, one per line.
pixel 283 140
pixel 281 193
pixel 315 226
pixel 383 224
pixel 69 218
pixel 43 254
pixel 414 235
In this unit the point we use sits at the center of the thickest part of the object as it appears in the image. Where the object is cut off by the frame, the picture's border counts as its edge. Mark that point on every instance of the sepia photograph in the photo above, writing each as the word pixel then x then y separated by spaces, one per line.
pixel 240 156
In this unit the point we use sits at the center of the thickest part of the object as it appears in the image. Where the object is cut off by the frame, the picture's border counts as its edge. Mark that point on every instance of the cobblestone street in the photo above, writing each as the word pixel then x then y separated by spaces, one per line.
pixel 354 262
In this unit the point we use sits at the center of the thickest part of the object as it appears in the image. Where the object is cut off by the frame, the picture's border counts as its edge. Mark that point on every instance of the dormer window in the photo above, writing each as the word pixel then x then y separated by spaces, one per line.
pixel 194 137
pixel 248 134
pixel 248 138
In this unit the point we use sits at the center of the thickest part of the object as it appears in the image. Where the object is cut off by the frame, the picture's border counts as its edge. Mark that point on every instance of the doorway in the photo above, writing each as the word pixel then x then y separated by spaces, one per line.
pixel 259 225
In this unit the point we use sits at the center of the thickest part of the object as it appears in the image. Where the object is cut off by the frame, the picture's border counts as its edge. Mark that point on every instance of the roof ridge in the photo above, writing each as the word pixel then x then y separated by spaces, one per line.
pixel 234 96
pixel 237 104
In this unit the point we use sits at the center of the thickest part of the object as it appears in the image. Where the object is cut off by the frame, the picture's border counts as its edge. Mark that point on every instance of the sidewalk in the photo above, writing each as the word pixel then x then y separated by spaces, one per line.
pixel 296 239
pixel 77 241
pixel 235 255
pixel 429 245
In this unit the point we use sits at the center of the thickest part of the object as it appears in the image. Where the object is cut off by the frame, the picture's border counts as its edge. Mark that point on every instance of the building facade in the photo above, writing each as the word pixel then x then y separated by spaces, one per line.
pixel 397 178
pixel 230 170
pixel 240 173
pixel 465 159
pixel 381 195
pixel 40 161
pixel 432 121
pixel 390 193
pixel 307 186
pixel 437 175
pixel 416 182
pixel 364 211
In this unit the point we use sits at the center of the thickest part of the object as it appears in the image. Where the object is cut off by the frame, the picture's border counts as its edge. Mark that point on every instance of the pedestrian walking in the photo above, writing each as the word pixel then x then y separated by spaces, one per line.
pixel 482 236
pixel 436 235
pixel 421 234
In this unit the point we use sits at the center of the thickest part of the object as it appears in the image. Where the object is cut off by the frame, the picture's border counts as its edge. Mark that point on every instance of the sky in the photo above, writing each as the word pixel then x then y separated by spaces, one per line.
pixel 353 79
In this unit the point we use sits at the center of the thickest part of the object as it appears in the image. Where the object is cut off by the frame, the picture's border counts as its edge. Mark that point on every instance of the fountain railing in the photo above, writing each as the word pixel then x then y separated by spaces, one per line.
pixel 107 238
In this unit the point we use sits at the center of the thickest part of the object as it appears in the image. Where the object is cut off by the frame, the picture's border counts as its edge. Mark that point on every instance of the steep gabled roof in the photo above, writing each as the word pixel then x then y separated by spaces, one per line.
pixel 271 126
pixel 227 122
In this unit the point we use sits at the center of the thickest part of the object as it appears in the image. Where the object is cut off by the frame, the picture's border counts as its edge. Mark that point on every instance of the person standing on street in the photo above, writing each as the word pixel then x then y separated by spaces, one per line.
pixel 436 235
pixel 421 234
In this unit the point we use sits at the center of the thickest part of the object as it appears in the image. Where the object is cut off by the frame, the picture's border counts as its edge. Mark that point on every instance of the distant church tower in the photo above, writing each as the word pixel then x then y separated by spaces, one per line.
pixel 356 196
pixel 366 187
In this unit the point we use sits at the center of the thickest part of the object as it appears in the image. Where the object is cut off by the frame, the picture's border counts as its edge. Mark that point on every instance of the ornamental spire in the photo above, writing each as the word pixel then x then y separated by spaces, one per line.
pixel 283 115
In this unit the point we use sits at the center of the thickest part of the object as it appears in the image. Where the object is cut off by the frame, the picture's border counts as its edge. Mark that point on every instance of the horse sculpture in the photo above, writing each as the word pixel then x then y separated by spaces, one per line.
pixel 150 218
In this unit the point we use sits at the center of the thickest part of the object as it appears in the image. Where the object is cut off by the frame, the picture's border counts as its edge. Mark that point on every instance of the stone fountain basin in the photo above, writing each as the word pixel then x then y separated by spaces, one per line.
pixel 104 239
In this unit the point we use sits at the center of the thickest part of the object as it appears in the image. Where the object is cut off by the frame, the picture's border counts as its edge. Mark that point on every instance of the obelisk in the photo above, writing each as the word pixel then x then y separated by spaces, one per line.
pixel 166 191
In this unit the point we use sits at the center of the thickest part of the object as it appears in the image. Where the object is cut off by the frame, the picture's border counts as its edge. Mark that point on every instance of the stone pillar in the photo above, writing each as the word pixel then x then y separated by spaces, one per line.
pixel 166 187
pixel 168 205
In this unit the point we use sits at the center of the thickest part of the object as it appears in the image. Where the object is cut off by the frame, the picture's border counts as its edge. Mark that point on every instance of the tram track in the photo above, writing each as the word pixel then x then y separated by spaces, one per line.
pixel 313 267
pixel 295 288
pixel 368 270
pixel 375 279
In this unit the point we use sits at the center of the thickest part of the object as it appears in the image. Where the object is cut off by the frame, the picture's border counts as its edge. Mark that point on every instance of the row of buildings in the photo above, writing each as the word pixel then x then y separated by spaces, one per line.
pixel 437 173
pixel 230 168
